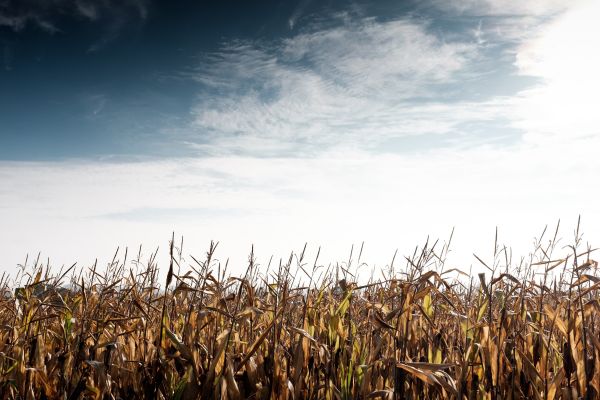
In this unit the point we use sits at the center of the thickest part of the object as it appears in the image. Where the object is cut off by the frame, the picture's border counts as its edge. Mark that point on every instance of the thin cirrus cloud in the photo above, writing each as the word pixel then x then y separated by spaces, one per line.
pixel 360 83
pixel 366 83
pixel 113 15
pixel 502 8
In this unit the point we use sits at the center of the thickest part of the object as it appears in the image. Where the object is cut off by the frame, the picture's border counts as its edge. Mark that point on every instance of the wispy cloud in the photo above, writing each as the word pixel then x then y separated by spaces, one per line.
pixel 359 83
pixel 14 22
pixel 94 104
pixel 297 13
pixel 504 7
pixel 18 15
pixel 365 83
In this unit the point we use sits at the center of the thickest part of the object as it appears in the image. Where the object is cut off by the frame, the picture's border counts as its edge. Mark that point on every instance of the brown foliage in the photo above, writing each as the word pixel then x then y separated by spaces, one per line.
pixel 515 333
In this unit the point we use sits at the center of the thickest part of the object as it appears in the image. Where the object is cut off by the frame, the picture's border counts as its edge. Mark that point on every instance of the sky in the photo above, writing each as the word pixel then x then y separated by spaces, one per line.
pixel 279 123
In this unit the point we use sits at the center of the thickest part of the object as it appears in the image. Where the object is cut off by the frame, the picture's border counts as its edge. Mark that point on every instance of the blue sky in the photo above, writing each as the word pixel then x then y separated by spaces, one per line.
pixel 284 122
pixel 134 79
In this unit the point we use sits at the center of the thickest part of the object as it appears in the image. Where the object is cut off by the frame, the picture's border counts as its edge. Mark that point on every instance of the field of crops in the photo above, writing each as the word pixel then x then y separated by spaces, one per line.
pixel 300 330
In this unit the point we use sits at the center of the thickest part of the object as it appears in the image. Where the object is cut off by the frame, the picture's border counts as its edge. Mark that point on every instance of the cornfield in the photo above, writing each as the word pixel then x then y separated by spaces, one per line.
pixel 301 330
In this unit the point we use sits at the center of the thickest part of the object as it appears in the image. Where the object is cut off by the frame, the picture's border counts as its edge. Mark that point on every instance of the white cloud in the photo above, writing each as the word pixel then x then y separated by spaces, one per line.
pixel 78 211
pixel 504 7
pixel 508 22
pixel 355 82
pixel 358 85
pixel 554 42
pixel 563 54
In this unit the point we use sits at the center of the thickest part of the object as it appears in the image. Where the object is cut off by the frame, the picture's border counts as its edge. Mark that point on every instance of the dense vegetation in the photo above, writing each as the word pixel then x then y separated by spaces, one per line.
pixel 304 331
